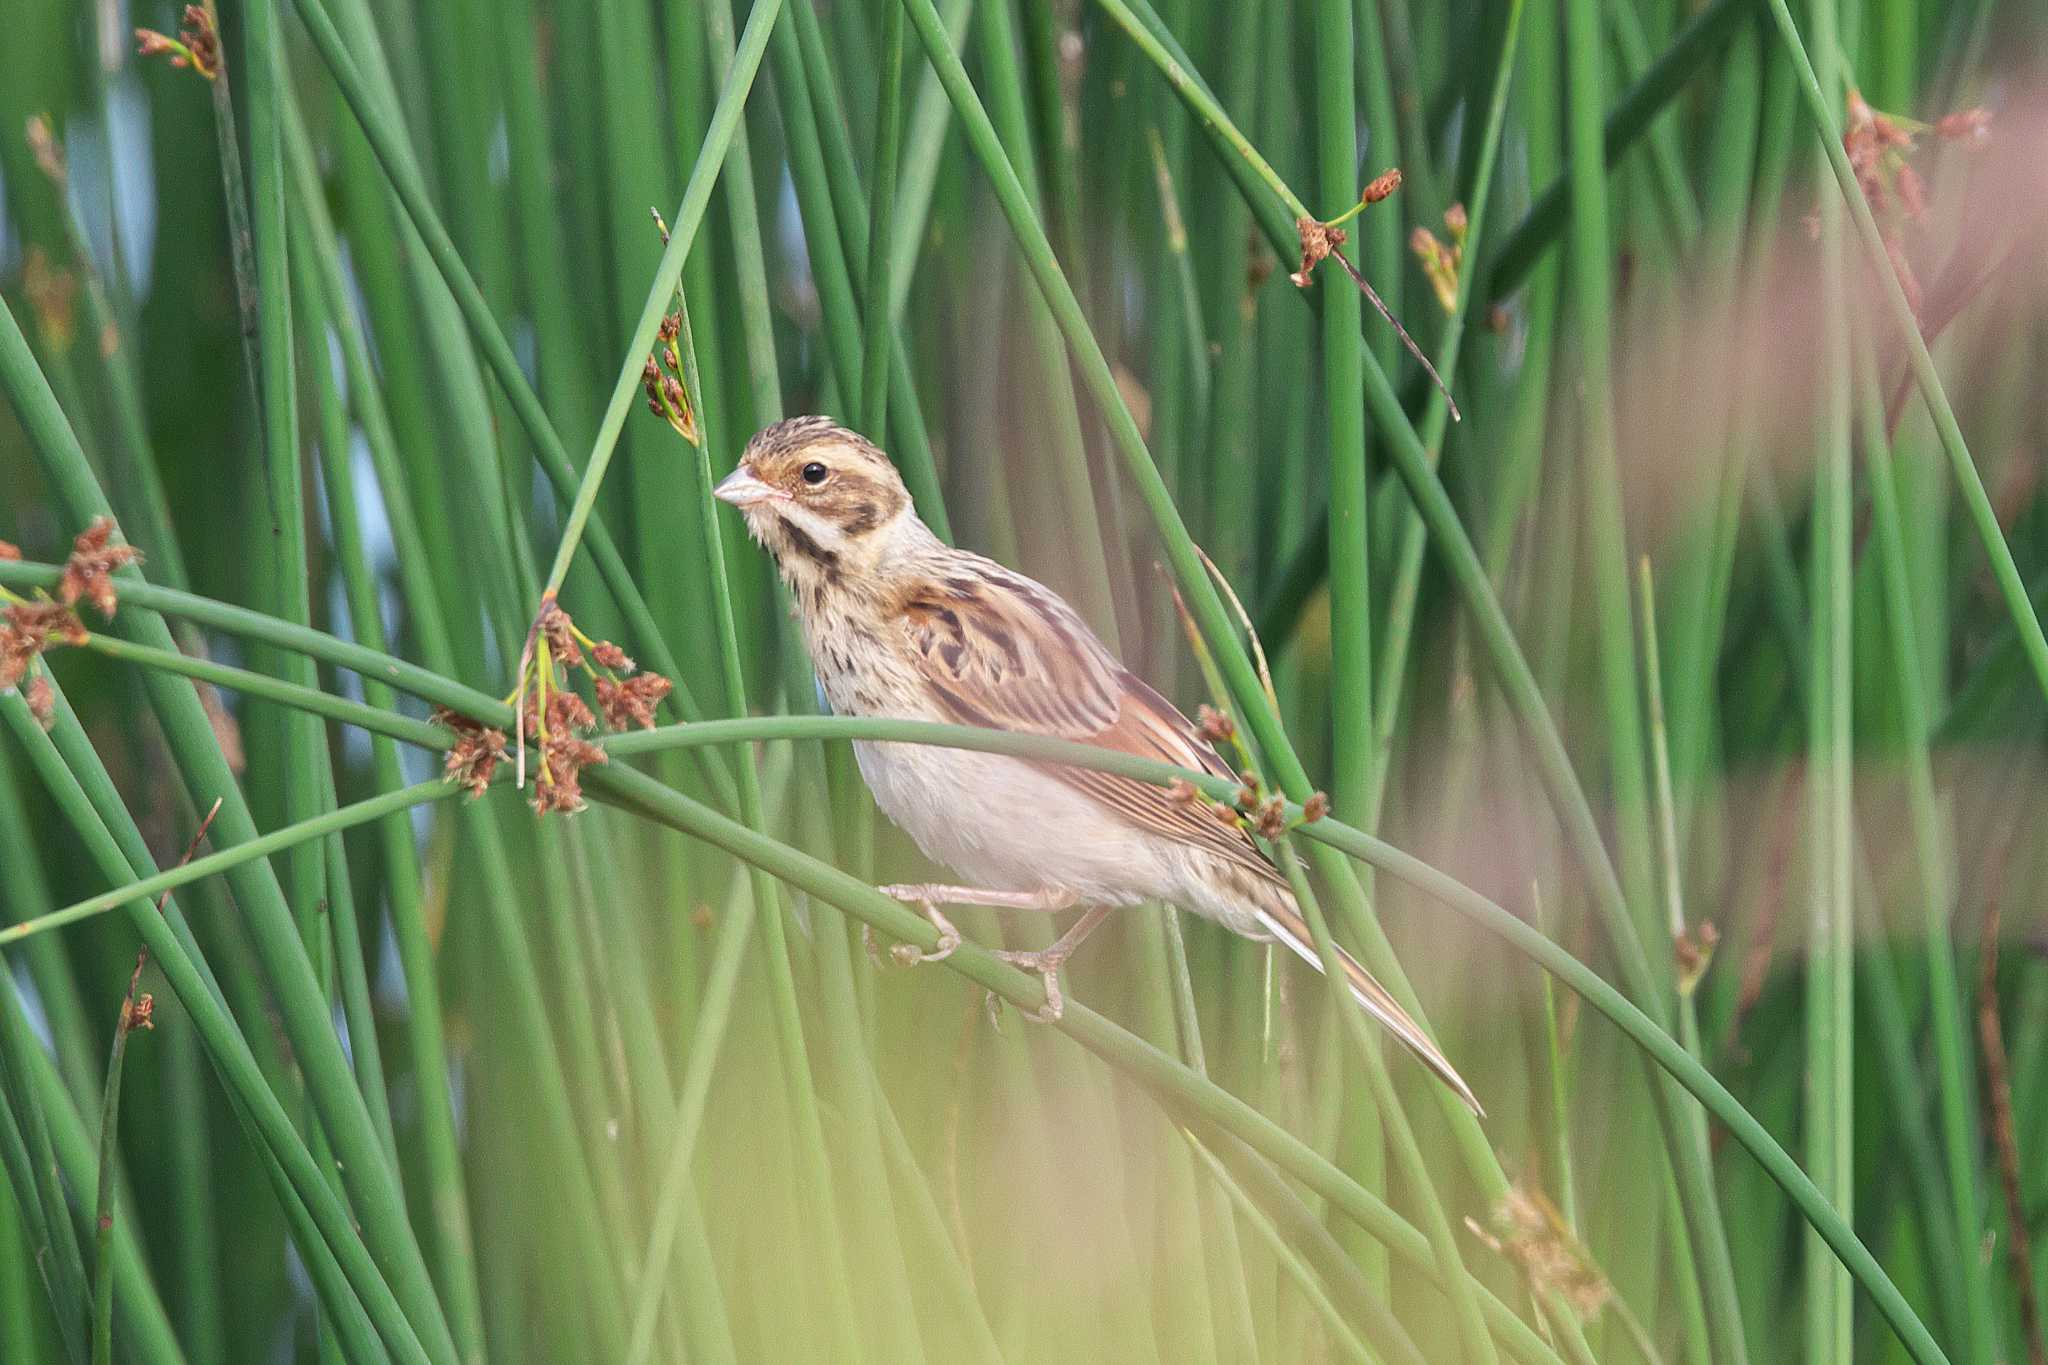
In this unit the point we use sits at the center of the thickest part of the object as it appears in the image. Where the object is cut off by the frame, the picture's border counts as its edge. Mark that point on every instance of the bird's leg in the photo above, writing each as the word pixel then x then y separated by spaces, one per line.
pixel 1048 961
pixel 937 893
pixel 929 896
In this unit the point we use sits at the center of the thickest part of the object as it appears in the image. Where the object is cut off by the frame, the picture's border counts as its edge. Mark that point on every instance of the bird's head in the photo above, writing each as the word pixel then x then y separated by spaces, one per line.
pixel 823 500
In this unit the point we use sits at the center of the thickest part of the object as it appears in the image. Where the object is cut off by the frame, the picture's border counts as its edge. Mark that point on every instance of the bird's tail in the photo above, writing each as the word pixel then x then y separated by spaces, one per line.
pixel 1285 923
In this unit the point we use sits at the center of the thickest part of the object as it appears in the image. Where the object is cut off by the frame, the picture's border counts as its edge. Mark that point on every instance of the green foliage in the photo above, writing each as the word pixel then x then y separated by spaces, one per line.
pixel 1664 659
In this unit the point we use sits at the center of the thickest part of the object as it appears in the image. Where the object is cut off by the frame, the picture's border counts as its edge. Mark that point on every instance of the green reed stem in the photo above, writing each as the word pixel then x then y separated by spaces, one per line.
pixel 387 139
pixel 1983 517
pixel 103 1217
pixel 874 375
pixel 1638 108
pixel 689 215
pixel 266 913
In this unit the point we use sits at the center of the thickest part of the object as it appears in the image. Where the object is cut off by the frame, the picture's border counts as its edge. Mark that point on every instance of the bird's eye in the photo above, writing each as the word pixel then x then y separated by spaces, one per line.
pixel 814 473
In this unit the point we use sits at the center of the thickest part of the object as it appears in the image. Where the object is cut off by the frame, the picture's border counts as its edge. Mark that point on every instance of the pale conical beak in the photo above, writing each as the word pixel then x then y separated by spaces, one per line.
pixel 742 489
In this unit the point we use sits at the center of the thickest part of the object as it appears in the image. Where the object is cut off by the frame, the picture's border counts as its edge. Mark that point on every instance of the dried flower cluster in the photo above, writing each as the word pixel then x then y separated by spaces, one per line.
pixel 631 701
pixel 1442 260
pixel 89 572
pixel 1216 726
pixel 1878 146
pixel 474 757
pixel 564 753
pixel 1271 820
pixel 1693 951
pixel 556 719
pixel 29 627
pixel 666 396
pixel 196 46
pixel 1318 241
pixel 560 635
pixel 1528 1230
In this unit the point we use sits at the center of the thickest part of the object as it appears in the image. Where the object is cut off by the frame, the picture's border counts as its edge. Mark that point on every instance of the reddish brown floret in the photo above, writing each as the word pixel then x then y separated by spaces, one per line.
pixel 563 758
pixel 632 701
pixel 612 657
pixel 1272 819
pixel 89 572
pixel 476 753
pixel 1318 240
pixel 1216 726
pixel 1381 186
pixel 560 633
pixel 196 45
pixel 9 551
pixel 29 628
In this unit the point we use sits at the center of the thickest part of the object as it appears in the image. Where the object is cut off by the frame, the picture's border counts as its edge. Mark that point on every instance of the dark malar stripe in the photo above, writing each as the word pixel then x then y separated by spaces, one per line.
pixel 801 542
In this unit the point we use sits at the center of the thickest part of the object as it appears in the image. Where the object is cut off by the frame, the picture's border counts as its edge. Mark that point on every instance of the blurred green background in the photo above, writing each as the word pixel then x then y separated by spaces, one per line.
pixel 1710 651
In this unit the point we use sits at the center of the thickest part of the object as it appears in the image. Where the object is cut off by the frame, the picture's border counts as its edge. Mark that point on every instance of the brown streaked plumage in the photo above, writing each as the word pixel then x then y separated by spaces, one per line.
pixel 901 625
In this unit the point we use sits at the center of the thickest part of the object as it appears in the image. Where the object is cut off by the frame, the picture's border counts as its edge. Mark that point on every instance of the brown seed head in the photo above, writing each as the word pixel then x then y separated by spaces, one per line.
pixel 1272 819
pixel 1318 240
pixel 1216 726
pixel 196 46
pixel 1693 951
pixel 139 1012
pixel 559 631
pixel 1380 186
pixel 1965 125
pixel 197 31
pixel 1315 808
pixel 476 753
pixel 9 551
pixel 29 628
pixel 612 657
pixel 563 758
pixel 88 573
pixel 632 701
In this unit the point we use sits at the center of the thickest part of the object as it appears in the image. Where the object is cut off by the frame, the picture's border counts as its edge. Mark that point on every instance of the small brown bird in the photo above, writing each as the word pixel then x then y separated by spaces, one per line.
pixel 902 625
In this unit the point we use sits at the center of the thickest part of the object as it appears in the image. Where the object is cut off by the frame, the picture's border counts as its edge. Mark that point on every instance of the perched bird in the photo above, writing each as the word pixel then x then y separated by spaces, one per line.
pixel 901 625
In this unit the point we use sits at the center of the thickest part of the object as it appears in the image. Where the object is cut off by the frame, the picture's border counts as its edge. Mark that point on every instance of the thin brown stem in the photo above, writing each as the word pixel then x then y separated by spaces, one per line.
pixel 1999 1119
pixel 1373 296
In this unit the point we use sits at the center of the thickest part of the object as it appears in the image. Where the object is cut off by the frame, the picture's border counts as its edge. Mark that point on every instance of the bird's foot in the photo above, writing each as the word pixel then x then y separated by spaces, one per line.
pixel 909 954
pixel 1046 963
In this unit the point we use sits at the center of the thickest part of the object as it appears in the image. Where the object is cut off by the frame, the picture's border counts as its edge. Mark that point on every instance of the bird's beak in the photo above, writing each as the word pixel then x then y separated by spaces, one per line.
pixel 742 489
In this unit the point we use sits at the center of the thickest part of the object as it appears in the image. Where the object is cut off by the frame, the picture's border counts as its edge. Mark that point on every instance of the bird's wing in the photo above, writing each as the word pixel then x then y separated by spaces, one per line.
pixel 1000 651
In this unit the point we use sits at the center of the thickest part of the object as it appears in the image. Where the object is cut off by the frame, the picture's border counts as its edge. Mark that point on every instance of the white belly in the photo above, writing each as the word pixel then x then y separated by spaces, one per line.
pixel 1003 825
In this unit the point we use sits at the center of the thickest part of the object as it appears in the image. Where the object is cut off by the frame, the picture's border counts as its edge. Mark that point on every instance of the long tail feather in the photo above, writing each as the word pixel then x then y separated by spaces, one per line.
pixel 1287 926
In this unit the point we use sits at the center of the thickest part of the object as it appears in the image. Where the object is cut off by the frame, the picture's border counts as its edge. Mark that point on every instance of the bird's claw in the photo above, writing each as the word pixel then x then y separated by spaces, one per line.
pixel 1047 966
pixel 909 954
